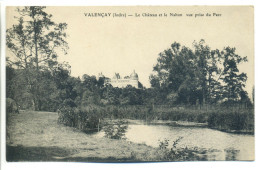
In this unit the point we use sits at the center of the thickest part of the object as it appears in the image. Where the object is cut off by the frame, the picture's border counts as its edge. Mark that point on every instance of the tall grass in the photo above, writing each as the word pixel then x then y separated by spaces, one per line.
pixel 227 119
pixel 182 114
pixel 86 119
pixel 127 111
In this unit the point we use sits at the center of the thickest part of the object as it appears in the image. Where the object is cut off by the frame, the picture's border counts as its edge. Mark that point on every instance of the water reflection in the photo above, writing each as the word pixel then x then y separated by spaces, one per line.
pixel 231 154
pixel 213 144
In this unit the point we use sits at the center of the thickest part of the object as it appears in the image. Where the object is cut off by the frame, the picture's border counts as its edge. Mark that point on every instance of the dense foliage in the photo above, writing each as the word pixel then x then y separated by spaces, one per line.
pixel 187 83
pixel 236 121
pixel 199 75
pixel 32 45
pixel 86 120
pixel 115 129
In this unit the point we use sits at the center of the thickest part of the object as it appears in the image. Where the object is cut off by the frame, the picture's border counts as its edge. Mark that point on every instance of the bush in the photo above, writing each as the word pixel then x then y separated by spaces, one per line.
pixel 126 111
pixel 87 119
pixel 67 116
pixel 116 129
pixel 11 106
pixel 232 120
pixel 172 154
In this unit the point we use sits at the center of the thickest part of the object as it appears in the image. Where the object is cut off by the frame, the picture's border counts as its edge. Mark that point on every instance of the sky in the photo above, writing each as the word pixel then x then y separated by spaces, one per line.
pixel 123 44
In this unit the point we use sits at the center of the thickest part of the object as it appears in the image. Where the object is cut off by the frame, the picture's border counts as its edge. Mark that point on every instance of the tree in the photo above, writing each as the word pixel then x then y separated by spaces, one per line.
pixel 10 82
pixel 207 70
pixel 67 87
pixel 184 75
pixel 253 95
pixel 36 38
pixel 110 95
pixel 234 82
pixel 176 73
pixel 34 43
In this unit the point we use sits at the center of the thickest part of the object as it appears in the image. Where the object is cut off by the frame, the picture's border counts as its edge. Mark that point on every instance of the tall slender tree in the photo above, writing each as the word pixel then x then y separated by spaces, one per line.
pixel 207 61
pixel 233 80
pixel 33 43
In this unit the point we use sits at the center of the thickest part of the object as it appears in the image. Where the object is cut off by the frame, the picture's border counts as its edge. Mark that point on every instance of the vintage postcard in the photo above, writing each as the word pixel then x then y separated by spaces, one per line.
pixel 129 84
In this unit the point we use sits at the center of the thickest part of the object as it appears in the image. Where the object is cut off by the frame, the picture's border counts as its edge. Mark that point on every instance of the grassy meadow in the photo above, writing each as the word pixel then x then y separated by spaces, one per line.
pixel 36 136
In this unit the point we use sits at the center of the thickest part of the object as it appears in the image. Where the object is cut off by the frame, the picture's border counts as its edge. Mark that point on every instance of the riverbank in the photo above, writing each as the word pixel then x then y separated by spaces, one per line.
pixel 188 124
pixel 223 118
pixel 36 136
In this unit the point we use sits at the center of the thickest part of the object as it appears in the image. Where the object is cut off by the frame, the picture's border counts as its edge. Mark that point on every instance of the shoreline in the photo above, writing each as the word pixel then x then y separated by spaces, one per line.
pixel 188 124
pixel 36 136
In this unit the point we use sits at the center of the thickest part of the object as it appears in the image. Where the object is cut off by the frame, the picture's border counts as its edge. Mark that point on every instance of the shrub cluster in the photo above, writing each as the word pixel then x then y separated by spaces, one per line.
pixel 116 129
pixel 229 120
pixel 90 119
pixel 173 153
pixel 87 119
pixel 11 106
pixel 126 111
pixel 167 152
pixel 176 114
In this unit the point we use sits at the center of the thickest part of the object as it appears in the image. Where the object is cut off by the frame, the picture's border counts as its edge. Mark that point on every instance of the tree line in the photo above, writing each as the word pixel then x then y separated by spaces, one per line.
pixel 200 75
pixel 182 76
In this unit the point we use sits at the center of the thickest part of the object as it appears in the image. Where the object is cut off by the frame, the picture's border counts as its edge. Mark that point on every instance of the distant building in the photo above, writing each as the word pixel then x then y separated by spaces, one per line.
pixel 119 82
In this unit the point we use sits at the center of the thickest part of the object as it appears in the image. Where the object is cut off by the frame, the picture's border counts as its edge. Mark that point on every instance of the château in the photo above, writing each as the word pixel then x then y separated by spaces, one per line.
pixel 119 82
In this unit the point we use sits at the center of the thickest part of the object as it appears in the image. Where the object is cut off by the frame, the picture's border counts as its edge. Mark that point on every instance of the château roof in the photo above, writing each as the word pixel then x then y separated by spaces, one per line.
pixel 116 76
pixel 134 76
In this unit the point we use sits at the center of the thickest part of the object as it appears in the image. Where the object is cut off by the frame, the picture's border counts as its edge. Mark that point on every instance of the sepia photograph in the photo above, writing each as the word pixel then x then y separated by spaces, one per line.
pixel 129 84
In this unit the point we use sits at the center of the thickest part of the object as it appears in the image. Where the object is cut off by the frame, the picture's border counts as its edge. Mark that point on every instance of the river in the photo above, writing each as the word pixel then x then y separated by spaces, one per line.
pixel 224 146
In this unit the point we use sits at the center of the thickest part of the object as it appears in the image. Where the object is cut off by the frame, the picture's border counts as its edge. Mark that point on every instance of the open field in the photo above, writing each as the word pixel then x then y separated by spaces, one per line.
pixel 36 136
